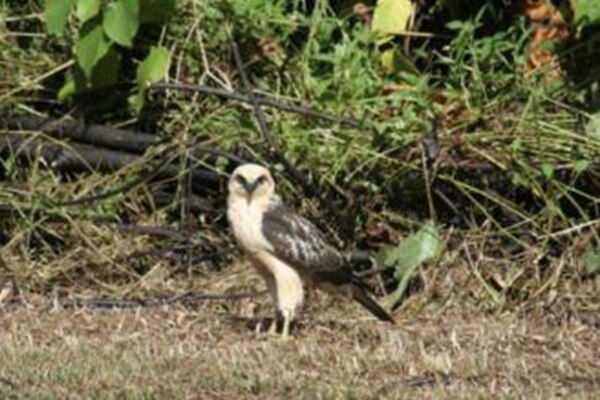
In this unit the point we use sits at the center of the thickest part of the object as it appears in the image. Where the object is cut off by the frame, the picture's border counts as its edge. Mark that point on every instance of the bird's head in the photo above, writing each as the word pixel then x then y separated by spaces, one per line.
pixel 251 182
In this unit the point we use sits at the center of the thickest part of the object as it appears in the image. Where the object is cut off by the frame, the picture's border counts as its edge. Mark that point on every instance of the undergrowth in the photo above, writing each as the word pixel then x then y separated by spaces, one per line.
pixel 498 157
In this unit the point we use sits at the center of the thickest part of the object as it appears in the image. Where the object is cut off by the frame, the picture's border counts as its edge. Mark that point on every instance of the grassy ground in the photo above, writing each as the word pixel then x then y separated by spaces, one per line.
pixel 215 350
pixel 507 170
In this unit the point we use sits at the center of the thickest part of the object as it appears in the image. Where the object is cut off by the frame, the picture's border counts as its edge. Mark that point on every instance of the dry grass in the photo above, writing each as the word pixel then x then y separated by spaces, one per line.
pixel 213 350
pixel 510 310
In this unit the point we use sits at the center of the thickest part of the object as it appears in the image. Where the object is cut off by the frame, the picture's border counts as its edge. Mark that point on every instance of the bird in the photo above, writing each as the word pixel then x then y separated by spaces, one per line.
pixel 287 250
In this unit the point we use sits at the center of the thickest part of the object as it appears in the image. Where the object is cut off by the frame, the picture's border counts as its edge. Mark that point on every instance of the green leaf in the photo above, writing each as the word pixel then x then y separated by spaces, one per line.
pixel 152 69
pixel 587 12
pixel 77 83
pixel 57 13
pixel 423 246
pixel 455 25
pixel 394 61
pixel 516 145
pixel 156 10
pixel 106 71
pixel 591 260
pixel 548 170
pixel 87 9
pixel 592 128
pixel 581 165
pixel 67 90
pixel 91 46
pixel 121 21
pixel 392 16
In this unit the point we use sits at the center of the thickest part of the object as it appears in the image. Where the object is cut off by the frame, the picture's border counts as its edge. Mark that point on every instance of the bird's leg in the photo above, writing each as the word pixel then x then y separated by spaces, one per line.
pixel 272 287
pixel 273 327
pixel 287 320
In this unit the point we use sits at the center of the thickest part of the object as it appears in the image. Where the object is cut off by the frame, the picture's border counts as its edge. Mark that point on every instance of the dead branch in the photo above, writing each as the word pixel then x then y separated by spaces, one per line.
pixel 261 98
pixel 101 136
pixel 97 135
pixel 85 158
pixel 309 186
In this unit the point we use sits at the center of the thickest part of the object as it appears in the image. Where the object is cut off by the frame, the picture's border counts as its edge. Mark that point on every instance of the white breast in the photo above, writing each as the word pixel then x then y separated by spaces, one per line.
pixel 246 223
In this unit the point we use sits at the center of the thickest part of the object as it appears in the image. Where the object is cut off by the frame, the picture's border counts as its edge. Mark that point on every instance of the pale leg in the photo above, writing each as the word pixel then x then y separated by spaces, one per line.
pixel 287 320
pixel 272 288
pixel 290 295
pixel 289 290
pixel 273 327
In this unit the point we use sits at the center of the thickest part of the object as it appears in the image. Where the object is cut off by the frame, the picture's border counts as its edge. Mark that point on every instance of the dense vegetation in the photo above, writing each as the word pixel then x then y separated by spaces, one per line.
pixel 449 125
pixel 457 142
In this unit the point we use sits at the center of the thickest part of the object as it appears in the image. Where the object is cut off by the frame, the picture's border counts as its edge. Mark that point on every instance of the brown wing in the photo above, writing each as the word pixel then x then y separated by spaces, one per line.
pixel 299 242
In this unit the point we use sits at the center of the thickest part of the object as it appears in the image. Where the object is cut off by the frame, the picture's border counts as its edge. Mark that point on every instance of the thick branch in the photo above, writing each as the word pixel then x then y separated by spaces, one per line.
pixel 97 135
pixel 80 157
pixel 101 136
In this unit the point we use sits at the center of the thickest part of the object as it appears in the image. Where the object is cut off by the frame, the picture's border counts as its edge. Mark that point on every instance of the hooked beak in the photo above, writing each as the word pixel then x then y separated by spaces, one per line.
pixel 250 187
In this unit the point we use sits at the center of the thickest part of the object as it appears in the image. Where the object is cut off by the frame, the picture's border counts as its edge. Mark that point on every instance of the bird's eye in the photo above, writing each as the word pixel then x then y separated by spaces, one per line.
pixel 240 179
pixel 261 179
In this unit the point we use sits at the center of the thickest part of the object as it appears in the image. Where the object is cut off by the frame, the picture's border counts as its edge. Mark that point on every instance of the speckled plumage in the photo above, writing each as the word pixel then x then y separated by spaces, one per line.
pixel 287 250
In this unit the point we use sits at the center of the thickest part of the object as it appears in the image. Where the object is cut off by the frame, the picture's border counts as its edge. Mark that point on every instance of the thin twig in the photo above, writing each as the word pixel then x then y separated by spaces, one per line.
pixel 573 229
pixel 106 303
pixel 372 271
pixel 261 98
pixel 432 213
pixel 309 187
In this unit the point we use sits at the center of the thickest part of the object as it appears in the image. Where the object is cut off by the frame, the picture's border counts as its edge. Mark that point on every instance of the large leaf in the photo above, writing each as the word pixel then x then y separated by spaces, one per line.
pixel 423 246
pixel 152 69
pixel 121 21
pixel 106 71
pixel 587 12
pixel 91 46
pixel 57 13
pixel 392 16
pixel 87 9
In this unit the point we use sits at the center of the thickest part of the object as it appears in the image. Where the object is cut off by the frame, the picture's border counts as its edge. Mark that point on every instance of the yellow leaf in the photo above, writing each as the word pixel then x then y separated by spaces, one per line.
pixel 392 16
pixel 394 61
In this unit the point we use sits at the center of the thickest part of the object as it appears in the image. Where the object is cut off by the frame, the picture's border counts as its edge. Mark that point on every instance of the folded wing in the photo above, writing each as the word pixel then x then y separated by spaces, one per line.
pixel 299 243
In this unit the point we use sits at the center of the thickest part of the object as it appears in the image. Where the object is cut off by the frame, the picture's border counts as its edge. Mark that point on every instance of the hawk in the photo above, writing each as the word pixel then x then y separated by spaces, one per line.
pixel 287 250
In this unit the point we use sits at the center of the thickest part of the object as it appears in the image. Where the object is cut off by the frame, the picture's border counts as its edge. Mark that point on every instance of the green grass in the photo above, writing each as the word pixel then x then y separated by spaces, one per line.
pixel 513 191
pixel 513 156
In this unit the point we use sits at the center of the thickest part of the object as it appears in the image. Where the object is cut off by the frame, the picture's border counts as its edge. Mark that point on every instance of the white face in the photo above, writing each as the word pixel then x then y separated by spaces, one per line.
pixel 251 181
